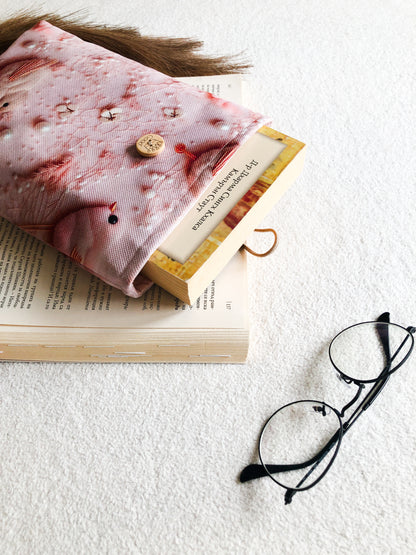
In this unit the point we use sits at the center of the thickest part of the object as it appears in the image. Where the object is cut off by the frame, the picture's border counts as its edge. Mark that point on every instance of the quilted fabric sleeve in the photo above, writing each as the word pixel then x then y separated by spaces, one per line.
pixel 70 115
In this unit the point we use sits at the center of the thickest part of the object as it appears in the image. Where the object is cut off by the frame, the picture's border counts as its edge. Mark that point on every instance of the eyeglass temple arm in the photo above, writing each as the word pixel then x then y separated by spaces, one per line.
pixel 290 492
pixel 384 376
pixel 383 333
pixel 254 471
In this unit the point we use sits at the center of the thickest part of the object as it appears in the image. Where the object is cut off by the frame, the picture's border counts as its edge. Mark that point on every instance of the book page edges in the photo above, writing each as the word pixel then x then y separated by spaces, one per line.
pixel 216 346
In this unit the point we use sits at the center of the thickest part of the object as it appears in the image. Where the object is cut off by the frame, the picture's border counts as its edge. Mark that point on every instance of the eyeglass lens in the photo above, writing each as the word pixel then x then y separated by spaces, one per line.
pixel 360 353
pixel 293 437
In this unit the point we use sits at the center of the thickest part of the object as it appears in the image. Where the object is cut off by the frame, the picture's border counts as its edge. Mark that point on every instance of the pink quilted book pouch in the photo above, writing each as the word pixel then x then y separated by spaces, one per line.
pixel 71 113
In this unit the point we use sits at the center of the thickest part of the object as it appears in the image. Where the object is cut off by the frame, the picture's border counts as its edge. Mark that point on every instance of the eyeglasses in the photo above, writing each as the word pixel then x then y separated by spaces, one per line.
pixel 300 441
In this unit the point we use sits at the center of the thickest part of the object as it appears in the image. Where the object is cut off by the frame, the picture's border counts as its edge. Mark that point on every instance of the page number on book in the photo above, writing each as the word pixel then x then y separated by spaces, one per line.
pixel 228 305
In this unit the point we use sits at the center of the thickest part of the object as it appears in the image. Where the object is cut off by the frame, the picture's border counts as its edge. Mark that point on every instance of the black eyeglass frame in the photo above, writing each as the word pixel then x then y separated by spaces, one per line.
pixel 254 471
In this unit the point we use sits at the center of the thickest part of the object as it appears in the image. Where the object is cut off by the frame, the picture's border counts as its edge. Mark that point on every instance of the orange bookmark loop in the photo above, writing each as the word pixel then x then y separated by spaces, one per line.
pixel 275 243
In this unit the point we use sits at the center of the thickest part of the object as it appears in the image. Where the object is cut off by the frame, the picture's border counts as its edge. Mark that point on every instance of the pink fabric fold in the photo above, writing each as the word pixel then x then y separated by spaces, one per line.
pixel 70 115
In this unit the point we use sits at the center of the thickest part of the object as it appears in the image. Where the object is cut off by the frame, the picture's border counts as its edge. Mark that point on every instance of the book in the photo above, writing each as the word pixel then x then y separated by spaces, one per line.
pixel 53 310
pixel 237 199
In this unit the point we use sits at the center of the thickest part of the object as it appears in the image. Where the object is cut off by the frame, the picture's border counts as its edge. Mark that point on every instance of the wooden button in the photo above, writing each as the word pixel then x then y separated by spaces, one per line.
pixel 150 145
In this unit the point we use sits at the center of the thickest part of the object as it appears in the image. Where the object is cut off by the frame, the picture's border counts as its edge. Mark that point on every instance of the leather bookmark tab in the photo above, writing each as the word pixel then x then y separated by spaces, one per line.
pixel 270 250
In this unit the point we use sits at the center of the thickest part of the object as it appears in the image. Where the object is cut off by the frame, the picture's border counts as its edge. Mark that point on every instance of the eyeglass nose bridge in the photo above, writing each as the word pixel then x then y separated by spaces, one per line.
pixel 361 386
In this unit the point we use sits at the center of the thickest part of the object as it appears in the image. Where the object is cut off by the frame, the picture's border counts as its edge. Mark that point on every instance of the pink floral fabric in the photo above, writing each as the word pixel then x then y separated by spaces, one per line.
pixel 70 115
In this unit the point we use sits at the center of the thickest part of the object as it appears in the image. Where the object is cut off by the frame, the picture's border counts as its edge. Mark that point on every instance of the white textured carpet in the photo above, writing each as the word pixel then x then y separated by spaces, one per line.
pixel 145 458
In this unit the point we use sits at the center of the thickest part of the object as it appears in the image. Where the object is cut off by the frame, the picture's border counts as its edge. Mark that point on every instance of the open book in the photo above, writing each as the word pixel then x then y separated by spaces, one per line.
pixel 51 309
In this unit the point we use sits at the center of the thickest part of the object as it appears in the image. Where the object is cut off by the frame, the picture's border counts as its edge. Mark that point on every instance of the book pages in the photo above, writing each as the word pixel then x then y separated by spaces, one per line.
pixel 230 87
pixel 42 287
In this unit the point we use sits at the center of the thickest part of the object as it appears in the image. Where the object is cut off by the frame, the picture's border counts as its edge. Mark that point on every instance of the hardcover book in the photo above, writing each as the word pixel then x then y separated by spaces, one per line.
pixel 234 204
